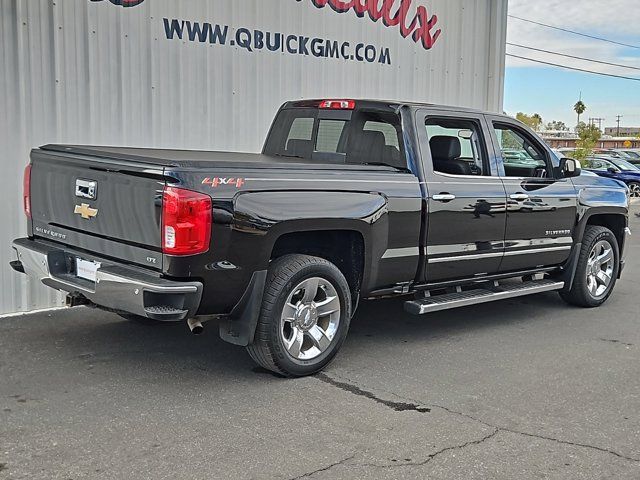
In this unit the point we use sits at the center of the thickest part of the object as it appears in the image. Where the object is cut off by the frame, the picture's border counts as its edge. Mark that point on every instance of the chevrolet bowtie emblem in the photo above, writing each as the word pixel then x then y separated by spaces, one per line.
pixel 85 211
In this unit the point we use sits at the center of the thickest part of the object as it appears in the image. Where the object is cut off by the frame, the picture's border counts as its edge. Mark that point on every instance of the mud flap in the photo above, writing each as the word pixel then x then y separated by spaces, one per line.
pixel 569 269
pixel 240 326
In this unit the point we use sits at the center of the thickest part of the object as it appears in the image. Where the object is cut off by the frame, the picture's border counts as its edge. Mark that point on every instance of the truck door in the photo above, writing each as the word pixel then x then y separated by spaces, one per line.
pixel 466 205
pixel 541 209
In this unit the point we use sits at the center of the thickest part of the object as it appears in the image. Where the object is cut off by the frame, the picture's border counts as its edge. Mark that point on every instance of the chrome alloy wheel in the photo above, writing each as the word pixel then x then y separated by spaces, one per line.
pixel 634 190
pixel 310 318
pixel 600 267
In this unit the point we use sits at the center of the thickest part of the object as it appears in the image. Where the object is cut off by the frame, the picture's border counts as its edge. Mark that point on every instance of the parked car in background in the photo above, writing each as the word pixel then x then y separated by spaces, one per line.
pixel 569 153
pixel 564 152
pixel 618 169
pixel 630 156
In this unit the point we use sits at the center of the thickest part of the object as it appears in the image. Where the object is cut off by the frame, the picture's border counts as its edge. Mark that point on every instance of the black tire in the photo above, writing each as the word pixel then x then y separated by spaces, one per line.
pixel 579 295
pixel 285 274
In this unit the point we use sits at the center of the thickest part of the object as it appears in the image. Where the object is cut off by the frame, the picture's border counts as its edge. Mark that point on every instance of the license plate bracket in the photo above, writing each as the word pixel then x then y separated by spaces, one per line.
pixel 86 269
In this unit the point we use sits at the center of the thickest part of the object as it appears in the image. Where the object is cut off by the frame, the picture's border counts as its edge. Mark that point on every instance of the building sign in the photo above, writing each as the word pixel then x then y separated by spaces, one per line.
pixel 394 13
pixel 256 40
pixel 411 20
pixel 123 3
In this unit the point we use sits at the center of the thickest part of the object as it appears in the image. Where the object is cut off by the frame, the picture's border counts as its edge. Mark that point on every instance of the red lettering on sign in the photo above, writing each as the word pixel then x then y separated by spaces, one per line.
pixel 421 27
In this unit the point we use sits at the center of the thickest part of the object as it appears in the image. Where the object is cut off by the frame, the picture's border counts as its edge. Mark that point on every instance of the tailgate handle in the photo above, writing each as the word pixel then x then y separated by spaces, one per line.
pixel 86 188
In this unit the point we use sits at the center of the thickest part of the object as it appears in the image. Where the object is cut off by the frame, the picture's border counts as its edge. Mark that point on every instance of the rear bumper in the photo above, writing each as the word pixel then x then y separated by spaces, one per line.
pixel 117 287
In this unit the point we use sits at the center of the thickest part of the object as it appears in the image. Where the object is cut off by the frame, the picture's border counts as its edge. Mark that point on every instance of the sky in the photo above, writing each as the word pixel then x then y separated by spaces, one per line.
pixel 552 92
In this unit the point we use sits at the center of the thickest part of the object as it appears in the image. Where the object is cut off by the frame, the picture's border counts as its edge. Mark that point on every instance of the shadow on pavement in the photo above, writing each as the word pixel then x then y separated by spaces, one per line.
pixel 97 337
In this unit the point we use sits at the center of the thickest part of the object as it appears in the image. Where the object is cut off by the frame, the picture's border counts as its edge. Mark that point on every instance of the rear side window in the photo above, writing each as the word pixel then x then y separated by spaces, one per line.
pixel 457 146
pixel 359 137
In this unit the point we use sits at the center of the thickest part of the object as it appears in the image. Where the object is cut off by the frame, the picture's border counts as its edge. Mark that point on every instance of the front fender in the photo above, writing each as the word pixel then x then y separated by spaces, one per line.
pixel 599 201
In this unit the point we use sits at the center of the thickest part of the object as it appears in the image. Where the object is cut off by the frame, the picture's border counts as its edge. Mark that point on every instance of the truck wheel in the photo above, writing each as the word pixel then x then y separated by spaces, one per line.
pixel 597 269
pixel 305 316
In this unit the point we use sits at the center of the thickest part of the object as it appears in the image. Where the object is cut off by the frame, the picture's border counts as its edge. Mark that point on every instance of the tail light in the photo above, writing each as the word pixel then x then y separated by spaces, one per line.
pixel 26 191
pixel 337 105
pixel 186 221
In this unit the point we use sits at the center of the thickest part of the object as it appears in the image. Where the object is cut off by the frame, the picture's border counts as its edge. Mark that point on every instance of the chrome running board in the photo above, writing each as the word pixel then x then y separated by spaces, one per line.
pixel 480 295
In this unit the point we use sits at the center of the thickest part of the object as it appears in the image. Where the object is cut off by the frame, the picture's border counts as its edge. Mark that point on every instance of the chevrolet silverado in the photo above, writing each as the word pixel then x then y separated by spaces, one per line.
pixel 349 200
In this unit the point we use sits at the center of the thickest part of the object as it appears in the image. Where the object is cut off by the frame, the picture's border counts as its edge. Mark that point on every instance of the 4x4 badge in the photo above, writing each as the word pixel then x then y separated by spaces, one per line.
pixel 85 211
pixel 217 181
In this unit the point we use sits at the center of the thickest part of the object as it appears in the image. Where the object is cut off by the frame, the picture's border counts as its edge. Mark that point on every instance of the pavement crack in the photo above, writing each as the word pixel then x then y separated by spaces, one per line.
pixel 351 387
pixel 324 469
pixel 541 437
pixel 354 389
pixel 613 340
pixel 574 444
pixel 432 456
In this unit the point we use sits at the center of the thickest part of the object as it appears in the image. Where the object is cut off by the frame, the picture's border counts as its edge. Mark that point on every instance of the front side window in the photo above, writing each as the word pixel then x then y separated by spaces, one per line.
pixel 521 157
pixel 456 146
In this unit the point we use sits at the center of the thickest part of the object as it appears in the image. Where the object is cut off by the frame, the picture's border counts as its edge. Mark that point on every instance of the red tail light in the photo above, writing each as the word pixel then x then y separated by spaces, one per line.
pixel 26 191
pixel 337 105
pixel 186 221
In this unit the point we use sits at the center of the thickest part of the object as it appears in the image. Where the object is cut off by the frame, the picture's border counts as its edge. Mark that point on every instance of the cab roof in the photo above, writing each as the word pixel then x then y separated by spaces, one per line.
pixel 380 105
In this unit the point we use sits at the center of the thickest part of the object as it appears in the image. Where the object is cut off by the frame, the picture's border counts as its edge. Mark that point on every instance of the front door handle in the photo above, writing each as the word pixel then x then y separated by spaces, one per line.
pixel 444 197
pixel 520 197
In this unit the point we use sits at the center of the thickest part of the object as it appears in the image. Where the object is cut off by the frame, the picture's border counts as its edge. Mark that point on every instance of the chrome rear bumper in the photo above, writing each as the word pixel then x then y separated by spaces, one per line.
pixel 117 287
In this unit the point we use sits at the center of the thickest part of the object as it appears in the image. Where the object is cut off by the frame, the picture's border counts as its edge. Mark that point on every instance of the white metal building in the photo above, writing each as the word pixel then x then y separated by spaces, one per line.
pixel 202 74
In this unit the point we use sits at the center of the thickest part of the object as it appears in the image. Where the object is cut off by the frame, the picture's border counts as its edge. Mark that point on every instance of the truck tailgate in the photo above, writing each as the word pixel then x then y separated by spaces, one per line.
pixel 98 205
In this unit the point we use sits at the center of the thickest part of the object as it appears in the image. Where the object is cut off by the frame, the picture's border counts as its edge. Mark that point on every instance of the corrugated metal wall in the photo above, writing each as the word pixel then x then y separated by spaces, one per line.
pixel 80 71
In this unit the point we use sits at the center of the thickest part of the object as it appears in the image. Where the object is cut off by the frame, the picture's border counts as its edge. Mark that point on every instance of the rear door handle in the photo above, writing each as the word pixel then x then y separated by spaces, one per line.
pixel 520 197
pixel 444 197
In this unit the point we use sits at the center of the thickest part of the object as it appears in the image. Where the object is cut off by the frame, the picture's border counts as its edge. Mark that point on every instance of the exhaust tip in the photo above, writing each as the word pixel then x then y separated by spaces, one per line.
pixel 195 326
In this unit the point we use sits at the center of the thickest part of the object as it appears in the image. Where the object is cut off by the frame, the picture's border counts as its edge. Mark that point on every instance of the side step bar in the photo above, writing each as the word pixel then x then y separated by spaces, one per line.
pixel 480 295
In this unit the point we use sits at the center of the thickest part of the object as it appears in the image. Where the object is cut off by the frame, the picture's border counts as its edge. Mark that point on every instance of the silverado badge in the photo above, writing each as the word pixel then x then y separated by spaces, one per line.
pixel 85 211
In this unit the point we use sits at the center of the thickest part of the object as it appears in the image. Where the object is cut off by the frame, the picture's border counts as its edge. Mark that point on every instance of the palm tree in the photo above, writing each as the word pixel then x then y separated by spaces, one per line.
pixel 579 108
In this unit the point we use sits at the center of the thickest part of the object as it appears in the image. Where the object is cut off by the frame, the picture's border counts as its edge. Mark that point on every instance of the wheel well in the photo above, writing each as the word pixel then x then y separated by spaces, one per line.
pixel 343 248
pixel 615 223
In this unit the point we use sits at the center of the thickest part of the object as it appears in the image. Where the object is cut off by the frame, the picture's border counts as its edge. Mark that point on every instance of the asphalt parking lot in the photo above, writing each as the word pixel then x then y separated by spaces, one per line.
pixel 529 388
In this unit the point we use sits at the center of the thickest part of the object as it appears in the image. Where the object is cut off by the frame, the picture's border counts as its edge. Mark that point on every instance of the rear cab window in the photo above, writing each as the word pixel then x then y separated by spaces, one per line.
pixel 355 137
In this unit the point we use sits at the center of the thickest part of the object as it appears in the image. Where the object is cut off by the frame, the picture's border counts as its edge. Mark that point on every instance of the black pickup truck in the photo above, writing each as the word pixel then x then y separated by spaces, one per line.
pixel 349 200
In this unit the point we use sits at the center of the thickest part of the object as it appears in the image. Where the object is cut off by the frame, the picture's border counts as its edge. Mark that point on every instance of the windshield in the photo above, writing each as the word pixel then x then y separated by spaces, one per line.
pixel 338 137
pixel 624 165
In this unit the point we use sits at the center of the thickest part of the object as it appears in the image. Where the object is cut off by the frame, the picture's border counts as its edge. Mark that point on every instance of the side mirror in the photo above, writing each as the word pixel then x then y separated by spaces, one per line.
pixel 570 167
pixel 613 170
